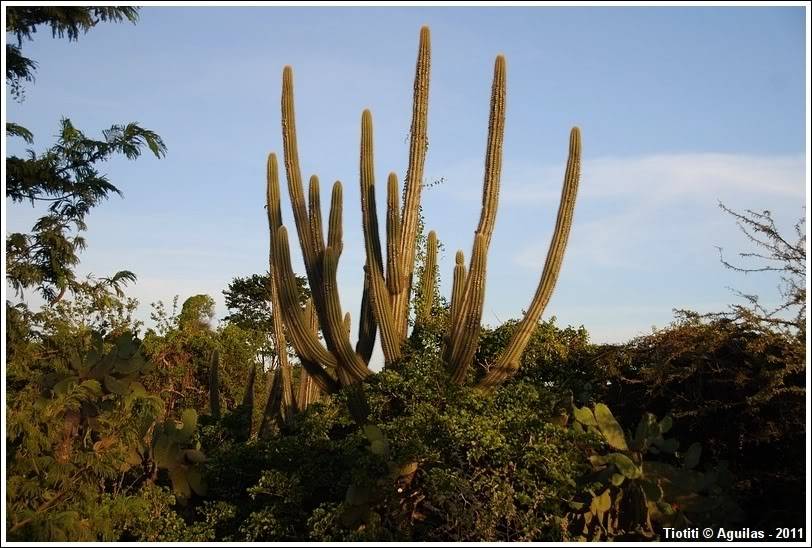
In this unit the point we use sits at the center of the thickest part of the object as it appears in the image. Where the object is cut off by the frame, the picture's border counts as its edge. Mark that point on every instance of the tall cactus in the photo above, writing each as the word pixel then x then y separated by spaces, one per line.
pixel 427 280
pixel 508 361
pixel 388 279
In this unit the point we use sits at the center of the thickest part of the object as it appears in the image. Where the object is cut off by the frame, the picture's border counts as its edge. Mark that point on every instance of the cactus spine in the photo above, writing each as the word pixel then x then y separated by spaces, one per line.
pixel 388 280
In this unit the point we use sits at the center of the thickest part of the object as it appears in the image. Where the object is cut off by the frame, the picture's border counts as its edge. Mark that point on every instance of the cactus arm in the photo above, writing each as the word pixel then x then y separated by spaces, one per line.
pixel 303 394
pixel 465 334
pixel 351 368
pixel 304 340
pixel 427 280
pixel 465 321
pixel 508 361
pixel 458 285
pixel 334 228
pixel 367 328
pixel 273 407
pixel 314 209
pixel 214 384
pixel 293 171
pixel 493 153
pixel 394 276
pixel 248 397
pixel 418 144
pixel 347 322
pixel 379 294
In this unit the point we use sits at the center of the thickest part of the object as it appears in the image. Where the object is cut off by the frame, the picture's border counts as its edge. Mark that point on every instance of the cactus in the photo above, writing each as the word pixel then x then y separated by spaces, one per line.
pixel 171 452
pixel 388 280
pixel 281 403
pixel 634 490
pixel 427 280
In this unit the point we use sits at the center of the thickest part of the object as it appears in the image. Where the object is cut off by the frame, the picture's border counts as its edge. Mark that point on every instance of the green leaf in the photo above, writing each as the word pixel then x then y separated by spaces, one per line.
pixel 180 481
pixel 647 429
pixel 667 446
pixel 195 456
pixel 189 419
pixel 625 465
pixel 601 503
pixel 610 428
pixel 195 478
pixel 115 385
pixel 666 424
pixel 618 479
pixel 126 346
pixel 63 387
pixel 692 456
pixel 373 433
pixel 126 366
pixel 379 447
pixel 584 416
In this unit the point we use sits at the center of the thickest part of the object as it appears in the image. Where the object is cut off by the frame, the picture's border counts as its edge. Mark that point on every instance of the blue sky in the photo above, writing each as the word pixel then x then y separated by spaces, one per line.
pixel 679 108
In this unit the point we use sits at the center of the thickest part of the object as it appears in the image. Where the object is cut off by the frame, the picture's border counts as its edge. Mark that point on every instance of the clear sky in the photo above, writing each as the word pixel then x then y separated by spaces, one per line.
pixel 679 108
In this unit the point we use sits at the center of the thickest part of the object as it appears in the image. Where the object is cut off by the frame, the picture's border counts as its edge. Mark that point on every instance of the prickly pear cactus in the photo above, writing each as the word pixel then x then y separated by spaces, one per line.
pixel 116 370
pixel 628 493
pixel 173 451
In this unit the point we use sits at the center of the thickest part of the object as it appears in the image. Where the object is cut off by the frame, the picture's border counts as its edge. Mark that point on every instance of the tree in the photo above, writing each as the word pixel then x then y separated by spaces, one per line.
pixel 197 313
pixel 775 253
pixel 65 176
pixel 249 301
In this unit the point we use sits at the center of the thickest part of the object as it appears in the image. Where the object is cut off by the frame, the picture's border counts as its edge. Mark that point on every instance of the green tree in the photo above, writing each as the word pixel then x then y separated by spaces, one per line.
pixel 197 313
pixel 64 178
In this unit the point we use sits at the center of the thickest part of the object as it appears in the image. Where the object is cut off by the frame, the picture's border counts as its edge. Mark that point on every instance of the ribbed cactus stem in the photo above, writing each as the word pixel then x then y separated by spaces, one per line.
pixel 305 342
pixel 248 396
pixel 214 384
pixel 273 407
pixel 281 404
pixel 379 294
pixel 493 153
pixel 465 335
pixel 508 362
pixel 293 171
pixel 314 210
pixel 334 228
pixel 347 322
pixel 458 285
pixel 394 276
pixel 427 280
pixel 351 368
pixel 418 144
pixel 367 328
pixel 304 339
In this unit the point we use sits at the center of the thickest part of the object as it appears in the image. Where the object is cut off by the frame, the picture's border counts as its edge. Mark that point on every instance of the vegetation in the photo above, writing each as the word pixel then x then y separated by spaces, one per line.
pixel 196 431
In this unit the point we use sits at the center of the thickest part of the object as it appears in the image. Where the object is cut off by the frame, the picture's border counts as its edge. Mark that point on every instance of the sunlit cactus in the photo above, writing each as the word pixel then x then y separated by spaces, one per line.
pixel 389 267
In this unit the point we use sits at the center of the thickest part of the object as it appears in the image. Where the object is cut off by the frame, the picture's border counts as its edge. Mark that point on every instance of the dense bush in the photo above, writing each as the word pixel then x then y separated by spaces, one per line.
pixel 412 456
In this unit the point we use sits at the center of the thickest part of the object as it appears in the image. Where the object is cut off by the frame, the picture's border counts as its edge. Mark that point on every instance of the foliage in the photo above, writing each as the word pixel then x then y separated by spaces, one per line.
pixel 70 21
pixel 739 386
pixel 65 178
pixel 644 482
pixel 778 254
